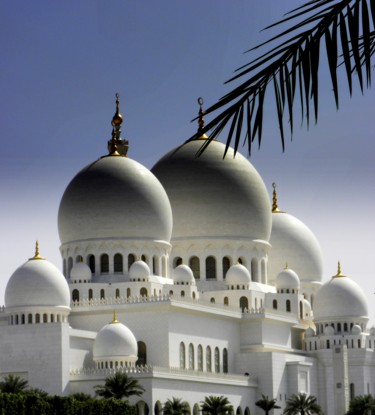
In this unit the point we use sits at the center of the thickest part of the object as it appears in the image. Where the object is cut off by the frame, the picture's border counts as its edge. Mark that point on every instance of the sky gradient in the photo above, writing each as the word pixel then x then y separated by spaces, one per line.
pixel 63 62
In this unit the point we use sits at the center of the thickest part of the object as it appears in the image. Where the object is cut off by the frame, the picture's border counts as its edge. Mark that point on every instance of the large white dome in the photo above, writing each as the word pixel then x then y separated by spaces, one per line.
pixel 115 342
pixel 212 196
pixel 114 197
pixel 293 243
pixel 37 283
pixel 338 299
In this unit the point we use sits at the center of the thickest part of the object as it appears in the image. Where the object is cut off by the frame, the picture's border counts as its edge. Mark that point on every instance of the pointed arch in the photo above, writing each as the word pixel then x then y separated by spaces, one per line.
pixel 194 264
pixel 210 268
pixel 118 263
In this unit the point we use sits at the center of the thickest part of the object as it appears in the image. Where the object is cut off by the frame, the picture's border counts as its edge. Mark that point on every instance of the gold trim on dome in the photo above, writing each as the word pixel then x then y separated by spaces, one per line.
pixel 275 207
pixel 37 255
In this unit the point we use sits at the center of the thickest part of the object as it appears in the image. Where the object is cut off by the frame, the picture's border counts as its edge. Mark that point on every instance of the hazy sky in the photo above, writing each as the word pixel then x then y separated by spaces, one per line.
pixel 61 64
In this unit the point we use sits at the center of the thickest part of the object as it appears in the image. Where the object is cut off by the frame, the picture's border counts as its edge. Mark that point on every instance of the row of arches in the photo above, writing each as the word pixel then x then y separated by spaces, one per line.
pixel 142 292
pixel 311 345
pixel 288 307
pixel 36 318
pixel 339 327
pixel 117 263
pixel 203 360
pixel 214 269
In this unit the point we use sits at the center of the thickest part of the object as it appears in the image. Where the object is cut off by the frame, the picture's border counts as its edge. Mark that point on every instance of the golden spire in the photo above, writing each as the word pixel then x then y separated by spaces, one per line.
pixel 275 207
pixel 201 120
pixel 37 255
pixel 339 274
pixel 286 265
pixel 114 321
pixel 117 146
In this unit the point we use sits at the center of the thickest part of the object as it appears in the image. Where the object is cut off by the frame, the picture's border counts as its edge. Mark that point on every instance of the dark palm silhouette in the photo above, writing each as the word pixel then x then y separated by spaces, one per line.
pixel 119 386
pixel 267 404
pixel 13 384
pixel 176 406
pixel 362 405
pixel 302 404
pixel 343 28
pixel 216 405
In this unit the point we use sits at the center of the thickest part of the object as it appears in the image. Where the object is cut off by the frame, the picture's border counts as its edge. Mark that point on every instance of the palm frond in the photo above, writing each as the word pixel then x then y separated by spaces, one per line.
pixel 345 29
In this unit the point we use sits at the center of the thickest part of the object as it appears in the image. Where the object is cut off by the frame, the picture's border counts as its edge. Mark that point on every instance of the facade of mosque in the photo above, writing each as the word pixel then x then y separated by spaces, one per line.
pixel 190 280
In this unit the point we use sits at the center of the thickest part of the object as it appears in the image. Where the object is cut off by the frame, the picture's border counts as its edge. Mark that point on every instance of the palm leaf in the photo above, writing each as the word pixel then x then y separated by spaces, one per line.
pixel 346 31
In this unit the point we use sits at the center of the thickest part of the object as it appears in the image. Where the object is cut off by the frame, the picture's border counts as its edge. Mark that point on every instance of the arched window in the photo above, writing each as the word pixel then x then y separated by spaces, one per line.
pixel 212 300
pixel 274 304
pixel 208 359
pixel 254 270
pixel 91 263
pixel 263 271
pixel 70 265
pixel 239 411
pixel 244 304
pixel 90 294
pixel 23 319
pixel 226 266
pixel 30 319
pixel 200 357
pixel 177 261
pixel 75 295
pixel 79 258
pixel 195 267
pixel 210 268
pixel 225 361
pixel 45 318
pixel 64 267
pixel 191 356
pixel 128 292
pixel 226 301
pixel 196 409
pixel 288 306
pixel 182 293
pixel 131 260
pixel 301 310
pixel 217 360
pixel 144 258
pixel 345 326
pixel 247 411
pixel 104 263
pixel 143 292
pixel 102 294
pixel 328 343
pixel 117 293
pixel 158 408
pixel 182 356
pixel 142 354
pixel 352 391
pixel 118 265
pixel 155 268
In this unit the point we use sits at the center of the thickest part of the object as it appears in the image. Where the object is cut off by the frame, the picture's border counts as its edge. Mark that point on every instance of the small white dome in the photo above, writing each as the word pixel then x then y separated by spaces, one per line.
pixel 139 270
pixel 115 342
pixel 329 330
pixel 37 283
pixel 338 299
pixel 356 329
pixel 183 275
pixel 238 275
pixel 287 280
pixel 372 331
pixel 293 243
pixel 310 332
pixel 80 271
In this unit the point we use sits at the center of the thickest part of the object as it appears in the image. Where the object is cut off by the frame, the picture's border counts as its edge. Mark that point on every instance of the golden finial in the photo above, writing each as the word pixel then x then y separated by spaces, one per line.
pixel 117 146
pixel 275 207
pixel 286 265
pixel 114 321
pixel 339 274
pixel 37 255
pixel 117 118
pixel 201 120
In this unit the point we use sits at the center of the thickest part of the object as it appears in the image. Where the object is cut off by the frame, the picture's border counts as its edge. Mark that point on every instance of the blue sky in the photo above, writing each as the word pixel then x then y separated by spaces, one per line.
pixel 62 63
